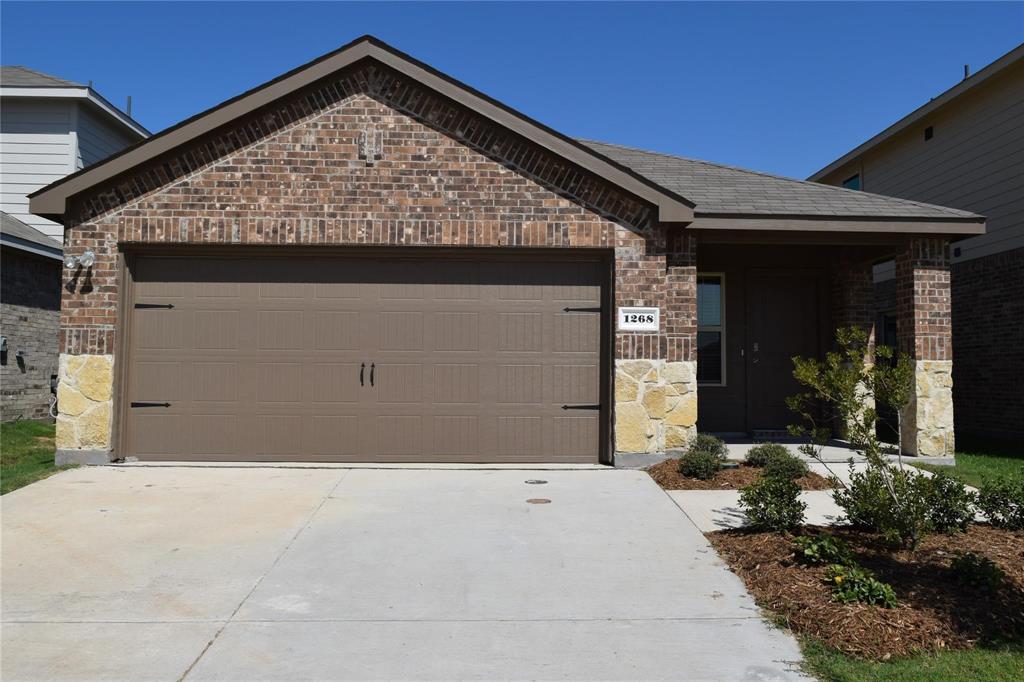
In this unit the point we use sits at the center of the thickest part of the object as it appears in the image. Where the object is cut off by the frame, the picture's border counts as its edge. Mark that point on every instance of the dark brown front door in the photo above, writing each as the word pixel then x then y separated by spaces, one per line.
pixel 782 322
pixel 364 359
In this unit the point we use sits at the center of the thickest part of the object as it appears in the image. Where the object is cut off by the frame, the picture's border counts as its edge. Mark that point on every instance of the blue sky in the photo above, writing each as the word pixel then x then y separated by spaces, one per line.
pixel 784 88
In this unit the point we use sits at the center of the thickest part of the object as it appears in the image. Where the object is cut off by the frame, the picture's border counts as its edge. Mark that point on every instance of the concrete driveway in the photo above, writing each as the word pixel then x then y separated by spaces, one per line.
pixel 243 573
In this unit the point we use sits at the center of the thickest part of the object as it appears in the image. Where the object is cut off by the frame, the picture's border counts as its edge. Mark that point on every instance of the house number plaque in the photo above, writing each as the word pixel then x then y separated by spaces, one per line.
pixel 638 319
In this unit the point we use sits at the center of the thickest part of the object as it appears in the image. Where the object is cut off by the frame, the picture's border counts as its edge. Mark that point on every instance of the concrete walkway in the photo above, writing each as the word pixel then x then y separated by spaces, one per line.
pixel 197 573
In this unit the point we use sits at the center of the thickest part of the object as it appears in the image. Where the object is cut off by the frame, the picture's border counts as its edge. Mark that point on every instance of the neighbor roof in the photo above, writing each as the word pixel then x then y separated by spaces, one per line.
pixel 21 81
pixel 50 200
pixel 967 84
pixel 727 190
pixel 24 77
pixel 14 232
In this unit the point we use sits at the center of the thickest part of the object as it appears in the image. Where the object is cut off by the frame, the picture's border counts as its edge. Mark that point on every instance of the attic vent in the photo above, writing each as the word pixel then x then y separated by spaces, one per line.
pixel 928 133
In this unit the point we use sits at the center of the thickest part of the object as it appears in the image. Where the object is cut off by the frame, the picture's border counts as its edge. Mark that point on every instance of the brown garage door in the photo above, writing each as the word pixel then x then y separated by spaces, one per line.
pixel 359 359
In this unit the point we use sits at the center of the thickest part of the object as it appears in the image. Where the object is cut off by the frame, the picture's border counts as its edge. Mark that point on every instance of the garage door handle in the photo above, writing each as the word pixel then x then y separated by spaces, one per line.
pixel 581 310
pixel 154 305
pixel 581 407
pixel 362 368
pixel 372 366
pixel 135 404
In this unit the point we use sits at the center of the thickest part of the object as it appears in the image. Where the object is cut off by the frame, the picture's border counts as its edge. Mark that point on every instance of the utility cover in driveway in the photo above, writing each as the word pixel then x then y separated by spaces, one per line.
pixel 363 359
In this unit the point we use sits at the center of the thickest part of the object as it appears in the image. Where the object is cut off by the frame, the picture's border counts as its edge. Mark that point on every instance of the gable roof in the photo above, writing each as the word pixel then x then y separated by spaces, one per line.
pixel 1010 58
pixel 50 201
pixel 24 77
pixel 14 232
pixel 726 190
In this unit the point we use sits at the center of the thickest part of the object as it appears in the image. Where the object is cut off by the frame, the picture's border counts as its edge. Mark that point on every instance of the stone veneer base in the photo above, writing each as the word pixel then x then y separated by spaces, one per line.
pixel 926 427
pixel 655 405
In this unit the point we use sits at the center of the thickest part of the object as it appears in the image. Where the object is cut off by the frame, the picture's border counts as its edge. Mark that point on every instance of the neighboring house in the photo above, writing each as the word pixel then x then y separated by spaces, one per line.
pixel 29 318
pixel 964 148
pixel 49 128
pixel 365 259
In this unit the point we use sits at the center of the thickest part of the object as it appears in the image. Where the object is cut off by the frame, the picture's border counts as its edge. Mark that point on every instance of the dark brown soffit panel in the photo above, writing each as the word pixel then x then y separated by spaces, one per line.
pixel 51 200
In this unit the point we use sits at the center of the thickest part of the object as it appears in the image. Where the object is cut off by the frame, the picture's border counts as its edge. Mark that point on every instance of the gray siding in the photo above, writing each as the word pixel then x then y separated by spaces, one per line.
pixel 36 148
pixel 98 139
pixel 974 161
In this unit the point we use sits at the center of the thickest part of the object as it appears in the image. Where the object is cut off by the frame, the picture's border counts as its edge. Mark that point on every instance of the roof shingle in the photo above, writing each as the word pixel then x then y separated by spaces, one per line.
pixel 727 190
pixel 24 77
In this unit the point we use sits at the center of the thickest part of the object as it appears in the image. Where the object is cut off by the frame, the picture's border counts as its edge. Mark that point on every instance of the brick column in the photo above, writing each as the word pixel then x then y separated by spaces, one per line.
pixel 656 374
pixel 924 332
pixel 853 299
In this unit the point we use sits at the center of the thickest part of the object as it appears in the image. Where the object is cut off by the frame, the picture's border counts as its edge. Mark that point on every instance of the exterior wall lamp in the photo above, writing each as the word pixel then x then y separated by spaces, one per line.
pixel 84 261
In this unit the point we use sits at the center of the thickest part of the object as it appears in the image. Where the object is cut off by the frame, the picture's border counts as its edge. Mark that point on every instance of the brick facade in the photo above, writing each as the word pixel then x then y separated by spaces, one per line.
pixel 988 346
pixel 372 159
pixel 30 319
pixel 852 298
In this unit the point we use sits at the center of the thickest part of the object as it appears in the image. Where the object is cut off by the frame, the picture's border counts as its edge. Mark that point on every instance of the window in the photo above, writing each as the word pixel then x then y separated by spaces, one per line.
pixel 929 133
pixel 852 182
pixel 711 330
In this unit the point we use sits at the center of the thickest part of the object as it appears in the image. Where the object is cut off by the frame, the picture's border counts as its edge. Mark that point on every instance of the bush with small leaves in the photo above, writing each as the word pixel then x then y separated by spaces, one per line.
pixel 1002 501
pixel 700 464
pixel 785 465
pixel 823 549
pixel 705 442
pixel 773 504
pixel 759 455
pixel 854 584
pixel 890 501
pixel 950 504
pixel 977 571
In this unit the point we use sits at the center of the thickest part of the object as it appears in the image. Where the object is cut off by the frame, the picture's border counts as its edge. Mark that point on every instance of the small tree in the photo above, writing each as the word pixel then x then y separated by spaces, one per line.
pixel 843 392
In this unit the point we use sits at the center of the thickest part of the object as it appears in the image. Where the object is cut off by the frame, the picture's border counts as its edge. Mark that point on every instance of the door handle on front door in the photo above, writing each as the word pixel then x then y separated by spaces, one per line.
pixel 372 367
pixel 362 367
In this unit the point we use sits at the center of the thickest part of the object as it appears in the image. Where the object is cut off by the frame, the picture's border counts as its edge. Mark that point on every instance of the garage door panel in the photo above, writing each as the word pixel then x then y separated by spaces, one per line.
pixel 456 383
pixel 398 383
pixel 280 382
pixel 261 357
pixel 216 329
pixel 157 381
pixel 334 382
pixel 214 382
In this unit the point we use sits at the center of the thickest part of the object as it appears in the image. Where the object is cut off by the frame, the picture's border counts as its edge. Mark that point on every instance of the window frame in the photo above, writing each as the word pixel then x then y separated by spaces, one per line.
pixel 720 328
pixel 860 182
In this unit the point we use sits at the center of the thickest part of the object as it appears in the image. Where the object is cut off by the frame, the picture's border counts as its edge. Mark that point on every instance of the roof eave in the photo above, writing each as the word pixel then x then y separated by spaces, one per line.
pixel 50 201
pixel 78 93
pixel 952 227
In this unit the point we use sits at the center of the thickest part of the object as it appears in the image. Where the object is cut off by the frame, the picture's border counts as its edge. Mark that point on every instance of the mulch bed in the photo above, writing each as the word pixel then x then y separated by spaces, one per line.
pixel 935 611
pixel 666 474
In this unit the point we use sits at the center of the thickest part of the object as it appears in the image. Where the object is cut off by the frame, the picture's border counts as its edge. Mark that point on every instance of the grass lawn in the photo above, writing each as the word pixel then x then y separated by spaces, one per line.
pixel 972 468
pixel 979 665
pixel 26 453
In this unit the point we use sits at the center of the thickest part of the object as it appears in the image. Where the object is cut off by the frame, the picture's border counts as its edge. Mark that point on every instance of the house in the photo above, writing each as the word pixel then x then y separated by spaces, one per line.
pixel 964 148
pixel 365 259
pixel 49 127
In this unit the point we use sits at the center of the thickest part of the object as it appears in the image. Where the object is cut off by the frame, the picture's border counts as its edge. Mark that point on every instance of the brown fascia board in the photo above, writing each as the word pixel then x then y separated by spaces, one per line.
pixel 954 228
pixel 999 65
pixel 51 201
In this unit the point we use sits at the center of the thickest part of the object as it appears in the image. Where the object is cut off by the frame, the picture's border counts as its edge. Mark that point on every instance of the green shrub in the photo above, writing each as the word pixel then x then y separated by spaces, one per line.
pixel 700 464
pixel 854 584
pixel 823 549
pixel 785 465
pixel 1002 501
pixel 901 515
pixel 977 571
pixel 705 442
pixel 950 504
pixel 759 455
pixel 773 504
